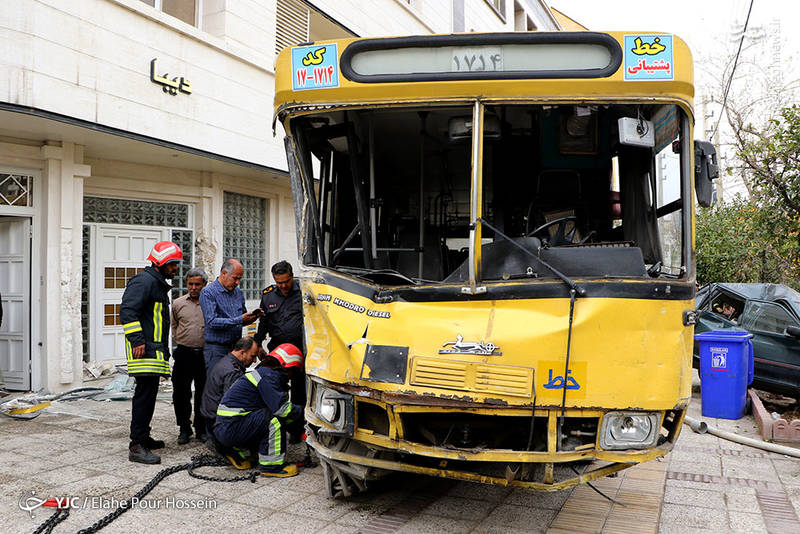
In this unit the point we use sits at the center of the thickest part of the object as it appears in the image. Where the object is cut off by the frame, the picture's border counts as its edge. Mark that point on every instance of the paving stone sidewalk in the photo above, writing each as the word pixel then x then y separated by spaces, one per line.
pixel 79 448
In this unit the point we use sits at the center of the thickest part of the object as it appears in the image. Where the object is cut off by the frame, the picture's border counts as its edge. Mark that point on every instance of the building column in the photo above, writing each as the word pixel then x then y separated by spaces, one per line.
pixel 208 245
pixel 63 176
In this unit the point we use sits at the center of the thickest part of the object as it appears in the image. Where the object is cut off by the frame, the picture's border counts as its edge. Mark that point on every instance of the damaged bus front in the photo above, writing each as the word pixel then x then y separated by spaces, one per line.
pixel 499 262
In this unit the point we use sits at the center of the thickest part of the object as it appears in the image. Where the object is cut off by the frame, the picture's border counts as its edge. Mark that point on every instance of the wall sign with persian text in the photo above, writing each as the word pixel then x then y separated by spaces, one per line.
pixel 169 85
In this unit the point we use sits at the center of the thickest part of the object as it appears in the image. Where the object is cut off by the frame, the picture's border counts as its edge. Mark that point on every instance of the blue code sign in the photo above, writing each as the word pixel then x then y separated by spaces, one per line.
pixel 315 67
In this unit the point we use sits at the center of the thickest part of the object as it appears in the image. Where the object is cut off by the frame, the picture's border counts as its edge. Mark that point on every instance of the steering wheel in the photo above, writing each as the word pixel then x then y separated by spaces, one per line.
pixel 562 237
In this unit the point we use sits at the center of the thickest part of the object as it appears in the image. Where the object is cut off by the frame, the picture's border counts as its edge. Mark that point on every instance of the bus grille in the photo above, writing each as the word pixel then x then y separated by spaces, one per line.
pixel 467 376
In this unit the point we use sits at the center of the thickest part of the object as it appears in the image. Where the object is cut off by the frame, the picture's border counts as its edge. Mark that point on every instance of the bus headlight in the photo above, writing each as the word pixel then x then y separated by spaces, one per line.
pixel 328 407
pixel 335 409
pixel 629 430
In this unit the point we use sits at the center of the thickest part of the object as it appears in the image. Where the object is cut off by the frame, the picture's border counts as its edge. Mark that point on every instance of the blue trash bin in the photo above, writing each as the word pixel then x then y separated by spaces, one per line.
pixel 726 369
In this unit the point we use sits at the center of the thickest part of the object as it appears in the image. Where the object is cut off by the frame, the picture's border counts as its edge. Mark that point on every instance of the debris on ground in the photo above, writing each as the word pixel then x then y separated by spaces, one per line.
pixel 121 388
pixel 95 370
pixel 29 405
pixel 23 408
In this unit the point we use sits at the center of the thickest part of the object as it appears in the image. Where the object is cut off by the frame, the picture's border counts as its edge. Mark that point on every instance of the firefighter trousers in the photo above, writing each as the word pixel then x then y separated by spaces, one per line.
pixel 143 405
pixel 258 430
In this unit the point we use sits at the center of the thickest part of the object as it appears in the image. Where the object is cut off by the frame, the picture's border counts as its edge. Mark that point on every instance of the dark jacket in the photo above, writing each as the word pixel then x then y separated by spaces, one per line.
pixel 260 388
pixel 145 320
pixel 283 317
pixel 219 380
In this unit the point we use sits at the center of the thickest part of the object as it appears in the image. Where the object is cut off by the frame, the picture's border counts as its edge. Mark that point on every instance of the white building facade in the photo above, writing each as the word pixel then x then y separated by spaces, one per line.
pixel 125 122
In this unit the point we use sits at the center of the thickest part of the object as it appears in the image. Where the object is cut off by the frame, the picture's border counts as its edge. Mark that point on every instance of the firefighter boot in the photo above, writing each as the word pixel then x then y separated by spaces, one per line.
pixel 239 458
pixel 143 455
pixel 281 471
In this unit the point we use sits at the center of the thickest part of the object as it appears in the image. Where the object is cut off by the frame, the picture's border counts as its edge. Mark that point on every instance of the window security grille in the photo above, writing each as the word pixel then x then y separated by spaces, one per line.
pixel 185 240
pixel 85 293
pixel 245 238
pixel 123 211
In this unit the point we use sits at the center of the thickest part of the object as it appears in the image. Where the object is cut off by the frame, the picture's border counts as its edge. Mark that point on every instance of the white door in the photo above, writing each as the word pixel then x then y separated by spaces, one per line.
pixel 121 252
pixel 15 286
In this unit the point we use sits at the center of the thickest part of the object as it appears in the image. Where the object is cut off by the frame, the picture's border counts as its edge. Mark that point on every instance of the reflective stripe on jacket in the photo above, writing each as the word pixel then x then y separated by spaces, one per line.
pixel 144 314
pixel 260 388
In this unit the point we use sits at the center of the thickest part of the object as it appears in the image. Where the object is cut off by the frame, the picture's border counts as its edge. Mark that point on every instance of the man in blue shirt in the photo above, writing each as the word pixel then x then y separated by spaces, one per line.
pixel 224 312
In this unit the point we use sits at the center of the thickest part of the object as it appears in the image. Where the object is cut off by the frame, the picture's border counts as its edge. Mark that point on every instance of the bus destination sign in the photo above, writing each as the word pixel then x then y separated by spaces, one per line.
pixel 648 58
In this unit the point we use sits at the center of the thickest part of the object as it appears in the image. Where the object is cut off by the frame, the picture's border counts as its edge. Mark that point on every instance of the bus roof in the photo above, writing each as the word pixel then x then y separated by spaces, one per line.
pixel 533 66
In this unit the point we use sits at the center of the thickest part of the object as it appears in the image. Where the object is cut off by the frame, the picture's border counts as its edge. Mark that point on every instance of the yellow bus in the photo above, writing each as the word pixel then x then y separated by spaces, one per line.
pixel 496 233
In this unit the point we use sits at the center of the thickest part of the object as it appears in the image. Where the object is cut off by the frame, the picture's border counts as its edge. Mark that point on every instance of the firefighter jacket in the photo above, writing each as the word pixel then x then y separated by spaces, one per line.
pixel 260 388
pixel 145 320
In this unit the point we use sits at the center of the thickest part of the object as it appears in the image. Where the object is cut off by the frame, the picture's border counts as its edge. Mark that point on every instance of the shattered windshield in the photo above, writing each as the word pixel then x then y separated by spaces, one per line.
pixel 594 191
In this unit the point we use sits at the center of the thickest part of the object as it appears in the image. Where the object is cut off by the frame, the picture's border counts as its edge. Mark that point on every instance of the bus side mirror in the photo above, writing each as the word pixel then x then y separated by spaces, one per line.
pixel 705 170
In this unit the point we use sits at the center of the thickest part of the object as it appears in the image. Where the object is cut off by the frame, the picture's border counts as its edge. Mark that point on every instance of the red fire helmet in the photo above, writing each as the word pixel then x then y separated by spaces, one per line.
pixel 288 355
pixel 165 252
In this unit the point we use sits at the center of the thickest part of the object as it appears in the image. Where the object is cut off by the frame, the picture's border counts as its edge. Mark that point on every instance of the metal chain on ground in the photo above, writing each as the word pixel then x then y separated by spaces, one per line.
pixel 125 505
pixel 209 460
pixel 201 460
pixel 57 517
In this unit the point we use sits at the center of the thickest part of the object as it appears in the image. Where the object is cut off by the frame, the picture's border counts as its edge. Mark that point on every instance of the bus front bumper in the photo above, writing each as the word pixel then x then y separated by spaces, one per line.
pixel 333 456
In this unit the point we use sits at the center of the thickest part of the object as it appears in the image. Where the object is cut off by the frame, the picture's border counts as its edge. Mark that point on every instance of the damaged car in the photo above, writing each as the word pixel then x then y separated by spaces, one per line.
pixel 771 312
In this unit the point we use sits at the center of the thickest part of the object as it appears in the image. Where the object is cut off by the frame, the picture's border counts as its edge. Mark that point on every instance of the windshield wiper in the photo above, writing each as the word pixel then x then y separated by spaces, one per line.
pixel 572 285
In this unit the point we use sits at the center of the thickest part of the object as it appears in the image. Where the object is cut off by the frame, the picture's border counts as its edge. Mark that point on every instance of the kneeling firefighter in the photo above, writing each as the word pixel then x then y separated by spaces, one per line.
pixel 253 413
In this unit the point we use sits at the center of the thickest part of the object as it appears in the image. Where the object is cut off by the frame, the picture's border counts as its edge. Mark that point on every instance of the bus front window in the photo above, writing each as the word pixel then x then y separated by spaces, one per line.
pixel 551 193
pixel 392 192
pixel 388 192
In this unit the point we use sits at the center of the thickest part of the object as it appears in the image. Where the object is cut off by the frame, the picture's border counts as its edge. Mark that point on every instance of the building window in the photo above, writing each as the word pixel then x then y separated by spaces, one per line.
pixel 85 292
pixel 16 190
pixel 185 240
pixel 499 7
pixel 117 277
pixel 292 23
pixel 111 314
pixel 185 10
pixel 122 211
pixel 296 23
pixel 245 238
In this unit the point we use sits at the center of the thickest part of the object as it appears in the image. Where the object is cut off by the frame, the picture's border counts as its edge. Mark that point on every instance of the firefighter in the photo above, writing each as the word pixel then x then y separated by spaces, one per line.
pixel 145 321
pixel 283 320
pixel 254 411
